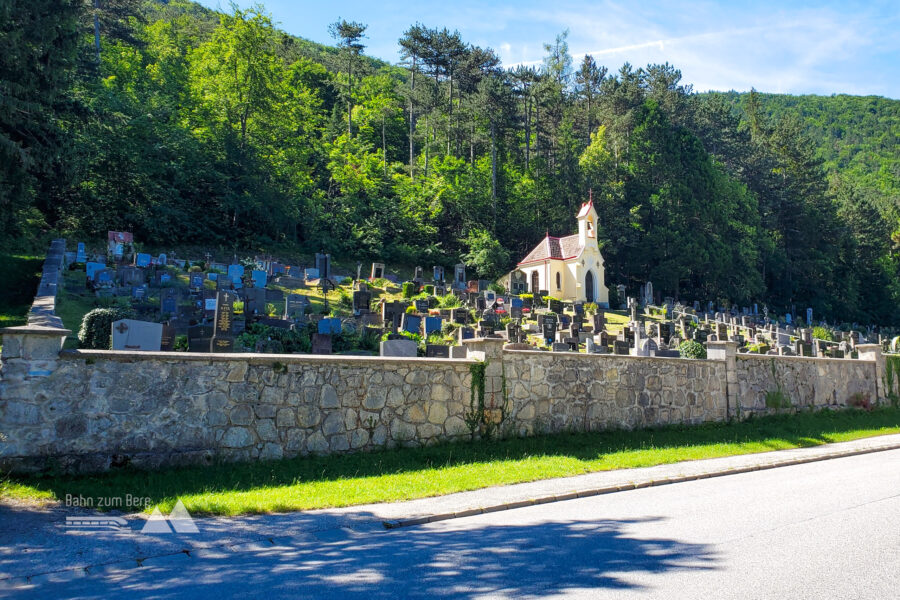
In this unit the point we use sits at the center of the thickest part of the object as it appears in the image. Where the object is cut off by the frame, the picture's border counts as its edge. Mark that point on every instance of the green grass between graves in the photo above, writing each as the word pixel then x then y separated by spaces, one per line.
pixel 403 474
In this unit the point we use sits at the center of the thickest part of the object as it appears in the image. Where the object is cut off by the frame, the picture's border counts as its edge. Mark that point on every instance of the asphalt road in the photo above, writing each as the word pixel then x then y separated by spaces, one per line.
pixel 829 529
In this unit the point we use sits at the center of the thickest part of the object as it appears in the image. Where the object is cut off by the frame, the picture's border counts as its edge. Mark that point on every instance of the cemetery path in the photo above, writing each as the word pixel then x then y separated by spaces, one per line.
pixel 816 529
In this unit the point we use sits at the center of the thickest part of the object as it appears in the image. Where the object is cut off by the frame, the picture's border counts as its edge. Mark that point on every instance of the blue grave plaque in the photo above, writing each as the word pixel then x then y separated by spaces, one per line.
pixel 142 260
pixel 412 323
pixel 433 325
pixel 92 267
pixel 259 279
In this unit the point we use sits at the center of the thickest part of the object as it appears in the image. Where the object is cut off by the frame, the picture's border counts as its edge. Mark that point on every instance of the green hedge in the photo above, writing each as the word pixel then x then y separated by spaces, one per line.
pixel 96 327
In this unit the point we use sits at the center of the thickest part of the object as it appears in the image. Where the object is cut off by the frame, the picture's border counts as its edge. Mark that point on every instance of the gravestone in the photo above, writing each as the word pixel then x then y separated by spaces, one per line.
pixel 377 271
pixel 223 282
pixel 329 326
pixel 437 274
pixel 254 301
pixel 142 260
pixel 392 314
pixel 323 264
pixel 168 302
pixel 223 339
pixel 167 339
pixel 548 328
pixel 236 273
pixel 405 348
pixel 518 282
pixel 459 315
pixel 91 269
pixel 259 279
pixel 130 276
pixel 199 337
pixel 81 254
pixel 466 333
pixel 459 276
pixel 437 351
pixel 162 260
pixel 555 305
pixel 138 292
pixel 433 325
pixel 133 335
pixel 361 301
pixel 310 274
pixel 621 347
pixel 421 305
pixel 321 343
pixel 271 322
pixel 411 323
pixel 196 282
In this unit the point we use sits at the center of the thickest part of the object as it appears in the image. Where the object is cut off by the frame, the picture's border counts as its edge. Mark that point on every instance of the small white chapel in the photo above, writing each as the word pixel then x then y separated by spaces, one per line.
pixel 569 268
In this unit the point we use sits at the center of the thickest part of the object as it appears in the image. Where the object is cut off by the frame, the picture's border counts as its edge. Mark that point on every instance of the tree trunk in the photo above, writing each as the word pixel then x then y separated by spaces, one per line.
pixel 97 30
pixel 527 133
pixel 350 97
pixel 425 139
pixel 412 120
pixel 494 176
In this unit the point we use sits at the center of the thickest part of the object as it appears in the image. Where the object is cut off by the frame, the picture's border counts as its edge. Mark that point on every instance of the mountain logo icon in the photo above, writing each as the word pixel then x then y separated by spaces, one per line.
pixel 179 519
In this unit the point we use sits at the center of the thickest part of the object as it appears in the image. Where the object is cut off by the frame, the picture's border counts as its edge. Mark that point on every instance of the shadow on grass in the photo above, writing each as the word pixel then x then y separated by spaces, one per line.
pixel 593 448
pixel 21 275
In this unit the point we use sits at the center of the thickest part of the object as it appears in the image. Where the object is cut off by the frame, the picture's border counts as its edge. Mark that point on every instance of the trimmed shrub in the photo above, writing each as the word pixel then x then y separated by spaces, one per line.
pixel 449 301
pixel 429 289
pixel 96 327
pixel 821 333
pixel 409 289
pixel 692 349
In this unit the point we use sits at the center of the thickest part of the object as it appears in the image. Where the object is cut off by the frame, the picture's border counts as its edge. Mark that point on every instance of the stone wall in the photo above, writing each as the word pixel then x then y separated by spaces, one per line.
pixel 84 411
pixel 563 391
pixel 103 408
pixel 802 382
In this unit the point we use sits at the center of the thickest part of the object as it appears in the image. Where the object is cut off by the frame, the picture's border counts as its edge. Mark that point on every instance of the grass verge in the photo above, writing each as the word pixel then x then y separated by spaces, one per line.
pixel 403 474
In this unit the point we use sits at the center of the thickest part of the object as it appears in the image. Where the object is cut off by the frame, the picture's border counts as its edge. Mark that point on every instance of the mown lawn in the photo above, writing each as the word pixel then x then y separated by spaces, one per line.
pixel 402 474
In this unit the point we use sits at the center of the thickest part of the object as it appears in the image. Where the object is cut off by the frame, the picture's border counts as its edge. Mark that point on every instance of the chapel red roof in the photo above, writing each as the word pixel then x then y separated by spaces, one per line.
pixel 585 209
pixel 553 248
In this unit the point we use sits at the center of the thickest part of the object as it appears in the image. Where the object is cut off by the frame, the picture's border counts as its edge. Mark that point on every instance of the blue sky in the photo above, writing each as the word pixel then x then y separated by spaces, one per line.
pixel 785 47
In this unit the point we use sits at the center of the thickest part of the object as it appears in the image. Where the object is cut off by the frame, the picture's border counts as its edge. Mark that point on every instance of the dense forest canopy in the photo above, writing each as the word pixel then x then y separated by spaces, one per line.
pixel 191 127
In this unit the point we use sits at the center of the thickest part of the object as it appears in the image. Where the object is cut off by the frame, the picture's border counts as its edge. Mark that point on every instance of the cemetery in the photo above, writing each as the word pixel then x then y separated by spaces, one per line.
pixel 194 361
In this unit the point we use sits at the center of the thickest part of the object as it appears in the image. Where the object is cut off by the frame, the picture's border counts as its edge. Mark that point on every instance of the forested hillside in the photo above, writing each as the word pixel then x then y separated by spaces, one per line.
pixel 190 127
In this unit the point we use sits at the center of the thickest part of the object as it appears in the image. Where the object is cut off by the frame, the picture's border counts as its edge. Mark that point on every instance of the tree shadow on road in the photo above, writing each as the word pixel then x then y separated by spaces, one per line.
pixel 464 559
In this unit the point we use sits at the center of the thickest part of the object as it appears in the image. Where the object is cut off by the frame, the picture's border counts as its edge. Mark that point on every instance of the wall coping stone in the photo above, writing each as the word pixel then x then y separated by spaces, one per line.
pixel 585 355
pixel 826 359
pixel 36 330
pixel 256 359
